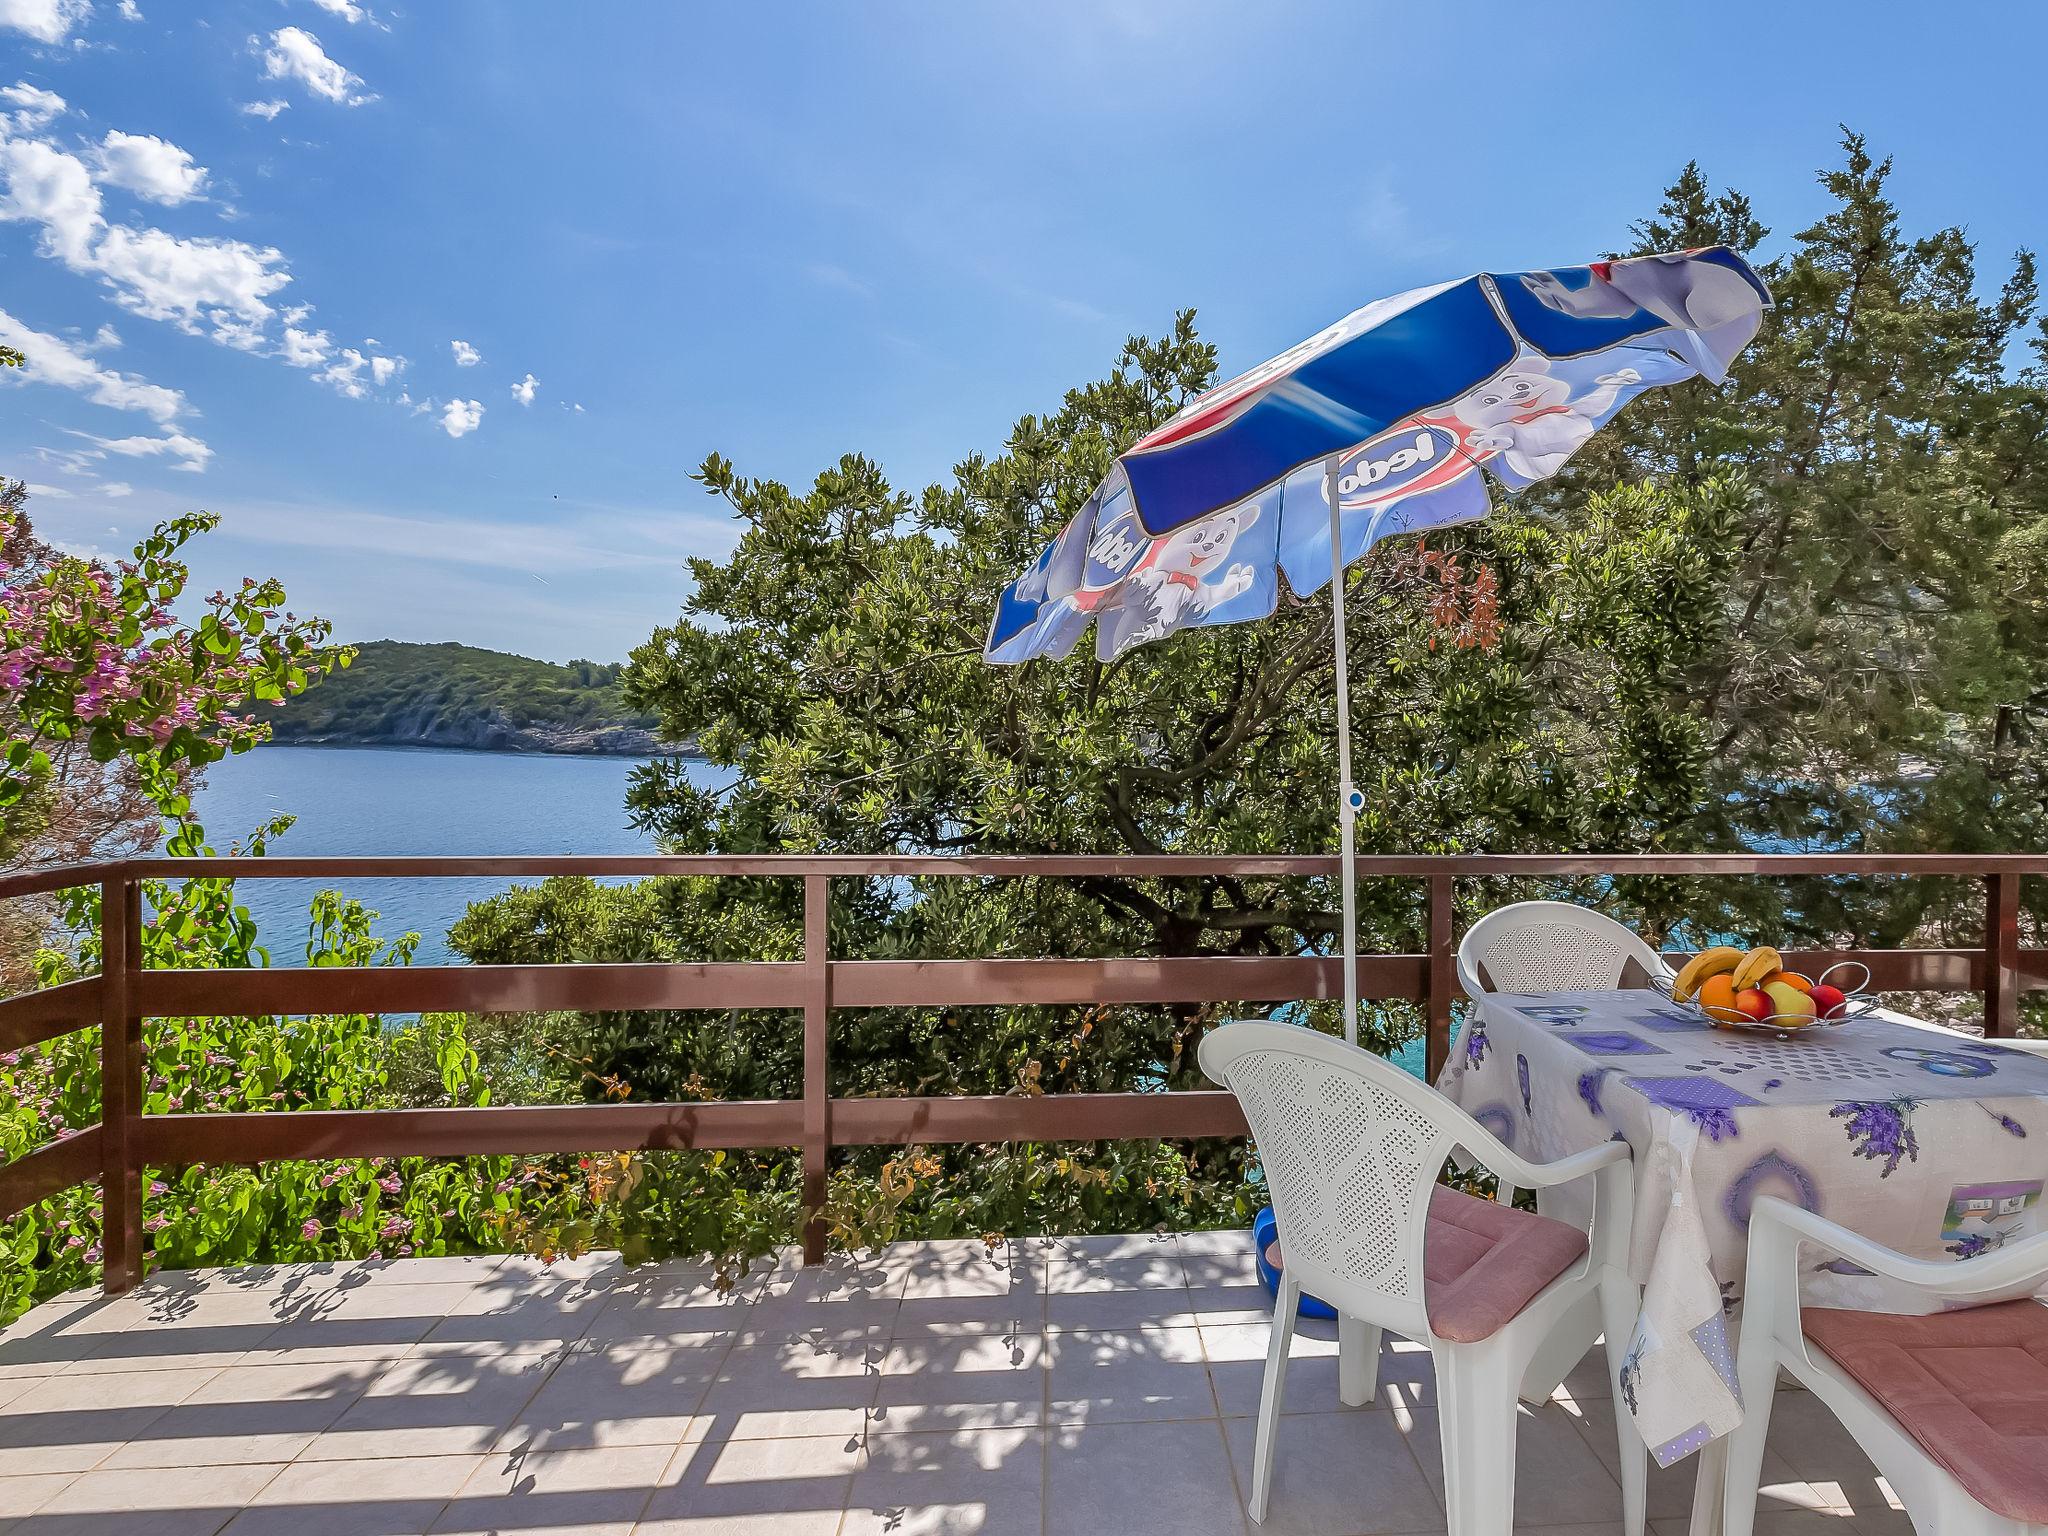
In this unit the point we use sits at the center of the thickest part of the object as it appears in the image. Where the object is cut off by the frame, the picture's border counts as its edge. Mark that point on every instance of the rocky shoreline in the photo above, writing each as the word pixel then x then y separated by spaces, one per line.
pixel 494 731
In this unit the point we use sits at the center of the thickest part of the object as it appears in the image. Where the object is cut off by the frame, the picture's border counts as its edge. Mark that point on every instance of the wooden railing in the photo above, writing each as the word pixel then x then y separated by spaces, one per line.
pixel 126 1141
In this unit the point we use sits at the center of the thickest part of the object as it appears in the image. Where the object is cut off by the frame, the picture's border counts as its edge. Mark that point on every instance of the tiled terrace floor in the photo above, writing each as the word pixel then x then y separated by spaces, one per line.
pixel 1058 1386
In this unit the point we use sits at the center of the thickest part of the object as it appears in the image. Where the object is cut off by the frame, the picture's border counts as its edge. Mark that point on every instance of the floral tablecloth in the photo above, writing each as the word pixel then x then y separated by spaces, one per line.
pixel 1930 1142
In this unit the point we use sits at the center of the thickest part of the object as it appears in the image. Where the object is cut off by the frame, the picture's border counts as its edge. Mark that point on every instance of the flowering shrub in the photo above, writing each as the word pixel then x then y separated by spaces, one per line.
pixel 94 652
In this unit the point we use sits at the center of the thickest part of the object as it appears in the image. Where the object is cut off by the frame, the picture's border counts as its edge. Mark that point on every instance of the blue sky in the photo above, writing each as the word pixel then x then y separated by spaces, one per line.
pixel 786 232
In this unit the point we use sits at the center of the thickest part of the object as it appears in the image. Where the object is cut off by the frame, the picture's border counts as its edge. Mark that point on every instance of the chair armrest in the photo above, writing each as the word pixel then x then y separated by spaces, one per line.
pixel 2001 1270
pixel 1524 1174
pixel 1468 981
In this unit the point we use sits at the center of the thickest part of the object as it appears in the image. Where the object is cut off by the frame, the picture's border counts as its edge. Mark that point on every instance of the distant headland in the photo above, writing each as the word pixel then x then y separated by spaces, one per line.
pixel 453 695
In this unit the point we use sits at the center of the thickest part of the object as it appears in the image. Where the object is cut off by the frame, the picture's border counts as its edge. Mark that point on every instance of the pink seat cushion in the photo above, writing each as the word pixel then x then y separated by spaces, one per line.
pixel 1971 1387
pixel 1483 1263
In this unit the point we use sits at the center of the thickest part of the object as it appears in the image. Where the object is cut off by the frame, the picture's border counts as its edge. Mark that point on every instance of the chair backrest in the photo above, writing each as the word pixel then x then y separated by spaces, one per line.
pixel 1351 1147
pixel 1550 946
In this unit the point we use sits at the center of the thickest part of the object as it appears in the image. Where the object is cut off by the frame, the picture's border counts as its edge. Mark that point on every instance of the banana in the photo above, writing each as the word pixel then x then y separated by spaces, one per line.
pixel 1756 965
pixel 1708 962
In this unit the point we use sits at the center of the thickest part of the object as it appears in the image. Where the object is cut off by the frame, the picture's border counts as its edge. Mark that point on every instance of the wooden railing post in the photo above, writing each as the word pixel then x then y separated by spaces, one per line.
pixel 120 1085
pixel 817 1088
pixel 1443 980
pixel 2001 954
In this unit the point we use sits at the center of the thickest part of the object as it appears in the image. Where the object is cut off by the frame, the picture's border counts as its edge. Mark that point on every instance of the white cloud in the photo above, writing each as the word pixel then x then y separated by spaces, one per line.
pixel 46 186
pixel 523 390
pixel 304 349
pixel 191 453
pixel 117 488
pixel 129 10
pixel 52 360
pixel 47 492
pixel 598 540
pixel 195 283
pixel 347 10
pixel 267 110
pixel 466 356
pixel 34 107
pixel 47 21
pixel 461 417
pixel 149 167
pixel 346 372
pixel 296 54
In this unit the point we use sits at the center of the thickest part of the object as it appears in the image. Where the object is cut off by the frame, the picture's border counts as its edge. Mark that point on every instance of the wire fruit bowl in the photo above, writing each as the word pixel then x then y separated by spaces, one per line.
pixel 1858 1001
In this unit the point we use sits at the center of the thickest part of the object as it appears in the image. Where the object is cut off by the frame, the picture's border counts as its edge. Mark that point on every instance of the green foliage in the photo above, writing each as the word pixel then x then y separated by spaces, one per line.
pixel 1884 683
pixel 94 654
pixel 1804 610
pixel 398 692
pixel 834 660
pixel 288 1212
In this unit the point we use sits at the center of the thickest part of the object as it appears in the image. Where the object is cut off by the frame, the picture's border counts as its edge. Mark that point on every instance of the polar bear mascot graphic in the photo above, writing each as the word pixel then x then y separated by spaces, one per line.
pixel 1175 586
pixel 1529 417
pixel 1713 308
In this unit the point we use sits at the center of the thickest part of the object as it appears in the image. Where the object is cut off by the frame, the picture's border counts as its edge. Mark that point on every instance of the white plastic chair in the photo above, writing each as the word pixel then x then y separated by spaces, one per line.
pixel 1774 1335
pixel 1546 946
pixel 1352 1147
pixel 1550 946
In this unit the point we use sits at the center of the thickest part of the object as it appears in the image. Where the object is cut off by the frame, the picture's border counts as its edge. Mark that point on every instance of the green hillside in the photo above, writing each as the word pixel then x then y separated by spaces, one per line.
pixel 452 695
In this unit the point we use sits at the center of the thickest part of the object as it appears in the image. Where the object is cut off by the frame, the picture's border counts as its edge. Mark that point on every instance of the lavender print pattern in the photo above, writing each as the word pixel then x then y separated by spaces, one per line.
pixel 1881 1130
pixel 1712 1119
pixel 1971 1244
pixel 1589 1088
pixel 1476 1043
pixel 1631 1373
pixel 1522 1077
pixel 2006 1123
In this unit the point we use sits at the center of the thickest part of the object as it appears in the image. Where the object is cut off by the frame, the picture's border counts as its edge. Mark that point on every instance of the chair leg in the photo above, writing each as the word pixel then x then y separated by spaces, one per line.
pixel 1561 1351
pixel 1756 1371
pixel 1476 1409
pixel 1619 1303
pixel 1358 1361
pixel 1284 1309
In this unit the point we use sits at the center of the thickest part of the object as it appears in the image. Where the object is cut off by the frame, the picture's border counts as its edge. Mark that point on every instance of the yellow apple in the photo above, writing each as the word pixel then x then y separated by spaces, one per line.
pixel 1789 1003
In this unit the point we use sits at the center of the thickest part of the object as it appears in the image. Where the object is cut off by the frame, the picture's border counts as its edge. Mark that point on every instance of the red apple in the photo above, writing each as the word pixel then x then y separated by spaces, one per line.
pixel 1829 1002
pixel 1754 1003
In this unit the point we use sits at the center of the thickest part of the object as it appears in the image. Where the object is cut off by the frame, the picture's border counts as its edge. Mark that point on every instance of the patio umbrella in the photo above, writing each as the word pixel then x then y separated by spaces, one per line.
pixel 1378 425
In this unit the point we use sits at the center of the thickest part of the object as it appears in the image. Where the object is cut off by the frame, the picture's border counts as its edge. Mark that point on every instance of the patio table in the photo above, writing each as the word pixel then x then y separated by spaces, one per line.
pixel 1926 1140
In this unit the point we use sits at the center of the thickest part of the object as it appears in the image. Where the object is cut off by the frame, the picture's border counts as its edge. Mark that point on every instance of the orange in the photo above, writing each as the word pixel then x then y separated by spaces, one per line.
pixel 1717 997
pixel 1789 978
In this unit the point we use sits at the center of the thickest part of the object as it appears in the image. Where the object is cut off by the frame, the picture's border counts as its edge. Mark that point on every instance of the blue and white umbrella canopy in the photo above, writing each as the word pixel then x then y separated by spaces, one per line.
pixel 1378 426
pixel 1412 395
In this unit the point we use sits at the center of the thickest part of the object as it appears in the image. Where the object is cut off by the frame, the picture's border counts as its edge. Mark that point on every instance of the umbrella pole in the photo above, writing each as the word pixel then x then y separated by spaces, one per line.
pixel 1348 798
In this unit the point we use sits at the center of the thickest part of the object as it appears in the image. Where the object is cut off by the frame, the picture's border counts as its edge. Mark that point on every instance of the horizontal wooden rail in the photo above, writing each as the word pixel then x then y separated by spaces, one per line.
pixel 1044 1117
pixel 1893 970
pixel 34 1017
pixel 55 877
pixel 1014 866
pixel 817 984
pixel 169 1140
pixel 655 987
pixel 1175 979
pixel 468 988
pixel 48 1170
